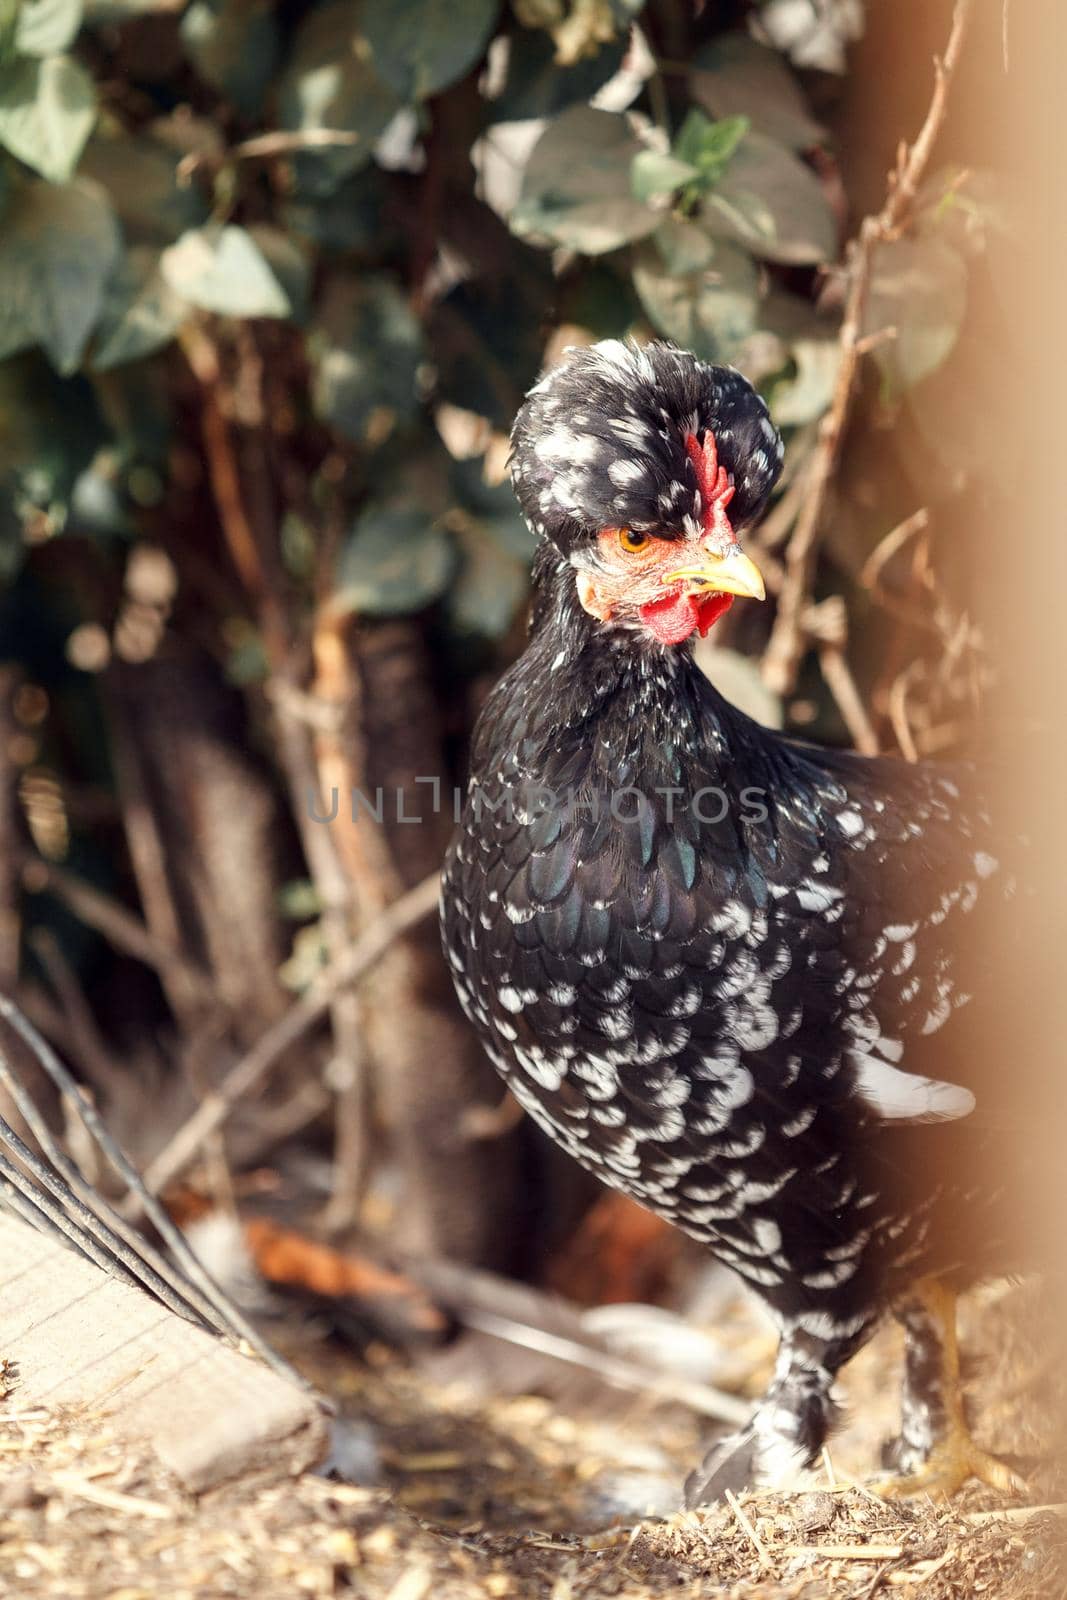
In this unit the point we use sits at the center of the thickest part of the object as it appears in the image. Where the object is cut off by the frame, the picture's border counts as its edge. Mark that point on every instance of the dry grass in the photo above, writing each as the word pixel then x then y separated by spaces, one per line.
pixel 508 1497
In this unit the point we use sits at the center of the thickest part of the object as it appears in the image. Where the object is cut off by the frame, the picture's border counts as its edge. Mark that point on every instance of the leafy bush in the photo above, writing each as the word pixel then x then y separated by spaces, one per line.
pixel 349 170
pixel 274 279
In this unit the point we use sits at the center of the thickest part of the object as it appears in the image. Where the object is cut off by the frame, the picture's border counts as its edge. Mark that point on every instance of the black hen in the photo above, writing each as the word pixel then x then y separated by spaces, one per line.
pixel 720 967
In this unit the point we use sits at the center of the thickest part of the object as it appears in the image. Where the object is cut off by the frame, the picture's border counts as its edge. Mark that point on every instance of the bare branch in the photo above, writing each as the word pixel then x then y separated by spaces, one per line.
pixel 368 949
pixel 118 925
pixel 886 548
pixel 842 685
pixel 788 639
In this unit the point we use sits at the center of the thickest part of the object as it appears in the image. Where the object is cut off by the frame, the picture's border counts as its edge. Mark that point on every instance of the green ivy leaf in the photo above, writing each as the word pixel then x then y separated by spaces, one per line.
pixel 918 287
pixel 708 146
pixel 45 27
pixel 710 312
pixel 683 246
pixel 421 46
pixel 365 349
pixel 9 16
pixel 142 313
pixel 536 85
pixel 494 507
pixel 330 82
pixel 291 262
pixel 394 561
pixel 50 431
pixel 139 173
pixel 774 204
pixel 813 345
pixel 734 76
pixel 348 219
pixel 58 249
pixel 222 269
pixel 490 586
pixel 576 187
pixel 234 45
pixel 807 395
pixel 487 337
pixel 47 110
pixel 653 174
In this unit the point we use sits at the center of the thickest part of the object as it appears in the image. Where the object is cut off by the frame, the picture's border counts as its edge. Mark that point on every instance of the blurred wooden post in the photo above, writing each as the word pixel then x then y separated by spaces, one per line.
pixel 75 1337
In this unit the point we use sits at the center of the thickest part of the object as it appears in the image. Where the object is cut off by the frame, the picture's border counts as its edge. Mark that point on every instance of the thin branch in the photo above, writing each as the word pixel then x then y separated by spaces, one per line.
pixel 358 862
pixel 265 145
pixel 397 919
pixel 88 1042
pixel 1016 1513
pixel 775 527
pixel 280 144
pixel 247 521
pixel 827 624
pixel 788 639
pixel 886 549
pixel 898 711
pixel 245 549
pixel 746 1527
pixel 837 675
pixel 616 1370
pixel 118 925
pixel 148 857
pixel 910 172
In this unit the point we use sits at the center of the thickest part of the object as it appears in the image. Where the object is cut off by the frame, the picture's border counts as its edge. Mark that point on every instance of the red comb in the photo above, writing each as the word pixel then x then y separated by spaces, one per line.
pixel 713 481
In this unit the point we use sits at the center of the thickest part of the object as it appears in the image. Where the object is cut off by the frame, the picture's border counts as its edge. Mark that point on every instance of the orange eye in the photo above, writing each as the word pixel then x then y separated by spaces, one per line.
pixel 632 541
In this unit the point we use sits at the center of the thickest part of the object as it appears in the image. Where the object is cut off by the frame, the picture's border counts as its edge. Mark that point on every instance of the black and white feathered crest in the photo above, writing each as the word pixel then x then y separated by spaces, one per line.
pixel 600 443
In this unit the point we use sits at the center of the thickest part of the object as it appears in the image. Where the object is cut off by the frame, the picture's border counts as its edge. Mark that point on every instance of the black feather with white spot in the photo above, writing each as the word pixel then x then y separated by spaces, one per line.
pixel 747 1010
pixel 600 443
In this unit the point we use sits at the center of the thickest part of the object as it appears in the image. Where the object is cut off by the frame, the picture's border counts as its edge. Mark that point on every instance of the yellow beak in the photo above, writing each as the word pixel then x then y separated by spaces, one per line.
pixel 733 573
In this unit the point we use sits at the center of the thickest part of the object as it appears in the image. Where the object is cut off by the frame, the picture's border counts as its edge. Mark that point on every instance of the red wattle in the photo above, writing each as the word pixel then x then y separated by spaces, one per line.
pixel 676 614
pixel 711 608
pixel 671 618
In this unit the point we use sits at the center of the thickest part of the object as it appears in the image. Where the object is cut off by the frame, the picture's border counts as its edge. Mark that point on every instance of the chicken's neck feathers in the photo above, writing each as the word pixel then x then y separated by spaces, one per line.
pixel 620 706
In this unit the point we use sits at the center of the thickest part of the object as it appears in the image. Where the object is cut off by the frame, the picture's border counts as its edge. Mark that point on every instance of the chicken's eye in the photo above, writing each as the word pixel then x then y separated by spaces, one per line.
pixel 631 541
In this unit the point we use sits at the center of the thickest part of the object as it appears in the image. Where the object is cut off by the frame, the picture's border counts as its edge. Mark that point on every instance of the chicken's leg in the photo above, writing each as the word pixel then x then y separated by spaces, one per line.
pixel 787 1428
pixel 936 1453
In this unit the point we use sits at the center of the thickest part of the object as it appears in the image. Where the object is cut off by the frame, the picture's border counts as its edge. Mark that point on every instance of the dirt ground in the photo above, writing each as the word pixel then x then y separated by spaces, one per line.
pixel 472 1496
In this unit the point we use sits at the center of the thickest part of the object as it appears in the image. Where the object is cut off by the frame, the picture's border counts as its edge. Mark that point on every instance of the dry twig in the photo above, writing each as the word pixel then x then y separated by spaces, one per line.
pixel 148 857
pixel 246 517
pixel 898 710
pixel 98 1494
pixel 842 685
pixel 1016 1513
pixel 617 1370
pixel 847 1552
pixel 119 926
pixel 744 1523
pixel 391 924
pixel 887 548
pixel 788 639
pixel 87 1041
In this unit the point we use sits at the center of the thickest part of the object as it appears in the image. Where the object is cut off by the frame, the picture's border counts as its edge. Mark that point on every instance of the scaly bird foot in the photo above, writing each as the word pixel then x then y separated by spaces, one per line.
pixel 936 1453
pixel 953 1459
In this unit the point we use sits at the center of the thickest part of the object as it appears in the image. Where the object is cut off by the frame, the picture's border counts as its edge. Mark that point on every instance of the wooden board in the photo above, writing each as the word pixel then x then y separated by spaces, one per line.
pixel 76 1337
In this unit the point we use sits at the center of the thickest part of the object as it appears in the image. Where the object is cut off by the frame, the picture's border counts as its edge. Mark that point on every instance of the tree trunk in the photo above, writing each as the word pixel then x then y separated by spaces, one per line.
pixel 204 830
pixel 459 1186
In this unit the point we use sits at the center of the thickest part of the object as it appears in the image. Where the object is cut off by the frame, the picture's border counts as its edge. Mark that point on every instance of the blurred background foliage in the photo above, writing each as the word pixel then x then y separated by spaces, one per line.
pixel 274 278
